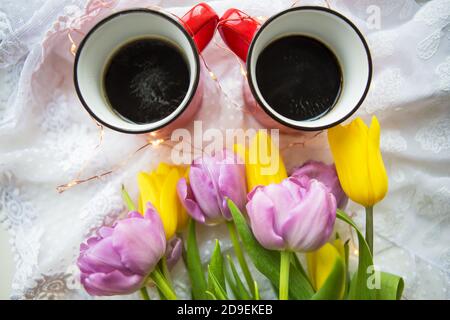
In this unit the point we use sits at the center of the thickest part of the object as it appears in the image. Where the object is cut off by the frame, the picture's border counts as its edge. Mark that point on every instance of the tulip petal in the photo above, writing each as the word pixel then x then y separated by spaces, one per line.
pixel 349 147
pixel 271 165
pixel 183 217
pixel 231 184
pixel 105 232
pixel 174 251
pixel 324 173
pixel 169 203
pixel 312 219
pixel 148 190
pixel 100 257
pixel 205 192
pixel 359 162
pixel 188 200
pixel 242 152
pixel 158 179
pixel 140 243
pixel 259 158
pixel 135 214
pixel 140 203
pixel 336 139
pixel 113 283
pixel 261 212
pixel 163 168
pixel 320 263
pixel 282 199
pixel 151 213
pixel 377 171
pixel 93 240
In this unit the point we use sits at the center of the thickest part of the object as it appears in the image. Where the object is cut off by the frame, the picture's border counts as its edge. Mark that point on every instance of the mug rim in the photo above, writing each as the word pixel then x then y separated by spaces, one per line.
pixel 101 23
pixel 250 76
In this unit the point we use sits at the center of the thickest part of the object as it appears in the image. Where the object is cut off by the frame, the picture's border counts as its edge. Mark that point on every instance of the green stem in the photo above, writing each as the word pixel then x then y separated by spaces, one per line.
pixel 241 258
pixel 369 228
pixel 144 293
pixel 165 271
pixel 162 284
pixel 284 275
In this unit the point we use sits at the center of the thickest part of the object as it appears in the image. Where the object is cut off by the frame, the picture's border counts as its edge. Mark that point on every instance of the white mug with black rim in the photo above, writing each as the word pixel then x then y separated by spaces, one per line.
pixel 189 34
pixel 248 39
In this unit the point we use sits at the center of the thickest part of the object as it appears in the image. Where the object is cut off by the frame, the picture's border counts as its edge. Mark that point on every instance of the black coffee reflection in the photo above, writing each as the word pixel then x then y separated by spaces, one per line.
pixel 299 77
pixel 146 80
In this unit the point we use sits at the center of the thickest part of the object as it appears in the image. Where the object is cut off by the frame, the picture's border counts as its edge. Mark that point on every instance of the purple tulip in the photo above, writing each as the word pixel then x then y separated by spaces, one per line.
pixel 173 251
pixel 118 260
pixel 295 214
pixel 327 175
pixel 211 181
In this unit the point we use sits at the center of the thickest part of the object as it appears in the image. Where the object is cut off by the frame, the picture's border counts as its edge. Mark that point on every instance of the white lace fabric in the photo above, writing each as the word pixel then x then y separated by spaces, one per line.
pixel 47 138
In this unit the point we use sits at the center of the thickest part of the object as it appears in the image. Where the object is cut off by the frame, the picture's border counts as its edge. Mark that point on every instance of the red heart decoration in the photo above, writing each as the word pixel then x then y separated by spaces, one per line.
pixel 237 30
pixel 201 22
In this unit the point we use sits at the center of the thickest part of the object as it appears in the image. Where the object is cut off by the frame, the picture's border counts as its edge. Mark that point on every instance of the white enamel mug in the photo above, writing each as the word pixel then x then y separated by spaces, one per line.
pixel 247 38
pixel 190 34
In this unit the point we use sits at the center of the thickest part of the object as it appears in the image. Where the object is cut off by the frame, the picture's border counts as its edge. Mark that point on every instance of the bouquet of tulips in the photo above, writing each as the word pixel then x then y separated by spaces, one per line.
pixel 271 218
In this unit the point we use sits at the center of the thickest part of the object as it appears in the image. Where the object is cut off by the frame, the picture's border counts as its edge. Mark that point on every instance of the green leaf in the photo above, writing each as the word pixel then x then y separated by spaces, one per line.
pixel 161 295
pixel 215 268
pixel 331 289
pixel 231 284
pixel 359 289
pixel 241 292
pixel 219 291
pixel 127 199
pixel 211 295
pixel 194 265
pixel 391 287
pixel 295 262
pixel 267 261
pixel 347 272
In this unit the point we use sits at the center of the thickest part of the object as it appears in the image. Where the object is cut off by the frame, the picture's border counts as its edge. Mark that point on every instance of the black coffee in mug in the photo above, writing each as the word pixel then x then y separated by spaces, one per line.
pixel 299 77
pixel 146 79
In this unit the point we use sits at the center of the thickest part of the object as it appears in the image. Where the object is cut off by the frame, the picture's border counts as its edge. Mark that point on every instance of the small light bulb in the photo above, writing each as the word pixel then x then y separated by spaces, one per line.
pixel 212 75
pixel 244 73
pixel 156 143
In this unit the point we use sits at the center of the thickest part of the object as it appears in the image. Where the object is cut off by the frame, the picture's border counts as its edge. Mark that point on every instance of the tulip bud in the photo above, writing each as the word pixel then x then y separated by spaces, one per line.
pixel 211 181
pixel 360 167
pixel 263 162
pixel 159 187
pixel 174 251
pixel 321 263
pixel 119 259
pixel 295 215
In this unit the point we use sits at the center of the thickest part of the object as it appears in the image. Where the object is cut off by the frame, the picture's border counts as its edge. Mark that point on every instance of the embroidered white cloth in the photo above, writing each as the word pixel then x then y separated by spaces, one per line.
pixel 47 138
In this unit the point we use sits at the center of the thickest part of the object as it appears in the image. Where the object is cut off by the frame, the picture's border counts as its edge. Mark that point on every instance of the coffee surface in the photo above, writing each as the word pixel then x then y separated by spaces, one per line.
pixel 146 80
pixel 299 77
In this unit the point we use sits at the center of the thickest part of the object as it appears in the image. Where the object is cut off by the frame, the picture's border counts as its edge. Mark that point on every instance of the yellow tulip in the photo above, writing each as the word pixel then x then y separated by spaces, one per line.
pixel 321 262
pixel 356 153
pixel 263 162
pixel 160 188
